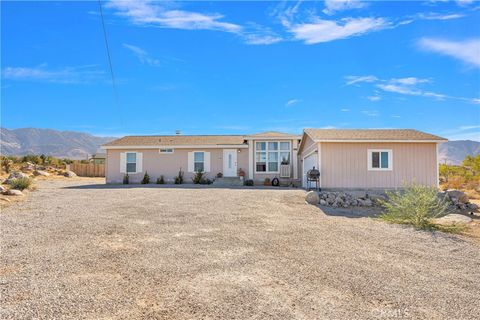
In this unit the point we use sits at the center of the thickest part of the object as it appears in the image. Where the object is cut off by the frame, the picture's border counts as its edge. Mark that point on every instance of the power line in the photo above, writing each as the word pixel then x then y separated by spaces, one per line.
pixel 115 92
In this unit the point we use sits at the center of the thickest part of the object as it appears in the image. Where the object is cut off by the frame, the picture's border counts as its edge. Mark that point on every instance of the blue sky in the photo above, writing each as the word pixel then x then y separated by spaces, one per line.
pixel 242 67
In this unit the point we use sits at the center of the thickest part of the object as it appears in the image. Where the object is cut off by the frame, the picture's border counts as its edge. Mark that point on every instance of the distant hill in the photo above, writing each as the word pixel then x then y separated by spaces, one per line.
pixel 455 151
pixel 70 144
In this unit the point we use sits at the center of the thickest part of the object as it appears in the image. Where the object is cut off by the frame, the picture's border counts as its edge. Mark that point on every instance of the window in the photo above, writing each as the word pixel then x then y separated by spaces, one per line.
pixel 166 151
pixel 379 159
pixel 131 162
pixel 269 155
pixel 199 161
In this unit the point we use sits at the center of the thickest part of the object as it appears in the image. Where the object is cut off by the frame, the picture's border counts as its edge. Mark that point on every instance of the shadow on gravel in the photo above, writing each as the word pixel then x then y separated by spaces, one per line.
pixel 351 212
pixel 173 186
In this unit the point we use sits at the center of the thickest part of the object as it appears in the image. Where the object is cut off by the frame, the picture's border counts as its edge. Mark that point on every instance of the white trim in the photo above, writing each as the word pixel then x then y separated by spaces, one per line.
pixel 206 146
pixel 320 164
pixel 438 167
pixel 389 141
pixel 278 151
pixel 251 159
pixel 390 159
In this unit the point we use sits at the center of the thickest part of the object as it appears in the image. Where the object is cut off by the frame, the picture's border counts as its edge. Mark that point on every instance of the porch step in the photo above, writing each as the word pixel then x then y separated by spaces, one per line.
pixel 228 182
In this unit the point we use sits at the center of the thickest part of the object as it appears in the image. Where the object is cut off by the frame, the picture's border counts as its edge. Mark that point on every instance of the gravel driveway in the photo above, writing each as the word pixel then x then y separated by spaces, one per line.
pixel 78 249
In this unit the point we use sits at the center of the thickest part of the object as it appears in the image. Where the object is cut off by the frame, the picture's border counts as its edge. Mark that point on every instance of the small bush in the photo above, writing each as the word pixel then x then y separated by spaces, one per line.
pixel 146 178
pixel 161 180
pixel 179 179
pixel 126 179
pixel 249 182
pixel 6 164
pixel 21 183
pixel 416 205
pixel 199 177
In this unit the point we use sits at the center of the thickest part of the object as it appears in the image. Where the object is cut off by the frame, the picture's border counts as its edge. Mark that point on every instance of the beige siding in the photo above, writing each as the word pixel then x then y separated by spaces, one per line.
pixel 168 165
pixel 345 165
pixel 308 145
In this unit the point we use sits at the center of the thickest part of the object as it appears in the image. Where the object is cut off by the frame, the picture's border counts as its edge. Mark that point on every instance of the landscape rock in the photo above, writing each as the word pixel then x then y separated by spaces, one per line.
pixel 13 192
pixel 368 203
pixel 453 218
pixel 69 174
pixel 2 189
pixel 472 206
pixel 41 173
pixel 457 195
pixel 323 202
pixel 15 175
pixel 312 197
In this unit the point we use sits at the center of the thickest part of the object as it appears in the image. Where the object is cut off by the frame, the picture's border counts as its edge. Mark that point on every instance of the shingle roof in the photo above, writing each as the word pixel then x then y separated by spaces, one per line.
pixel 371 134
pixel 177 140
pixel 271 134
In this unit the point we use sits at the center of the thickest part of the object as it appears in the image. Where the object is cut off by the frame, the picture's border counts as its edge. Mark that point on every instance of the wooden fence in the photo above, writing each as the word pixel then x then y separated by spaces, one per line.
pixel 88 169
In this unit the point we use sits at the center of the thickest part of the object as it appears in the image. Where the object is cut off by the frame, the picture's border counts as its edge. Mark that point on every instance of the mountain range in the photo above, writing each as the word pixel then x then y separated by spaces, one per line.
pixel 80 145
pixel 68 144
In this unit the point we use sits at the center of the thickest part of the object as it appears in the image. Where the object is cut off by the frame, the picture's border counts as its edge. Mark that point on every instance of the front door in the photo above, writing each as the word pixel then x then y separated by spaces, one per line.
pixel 229 162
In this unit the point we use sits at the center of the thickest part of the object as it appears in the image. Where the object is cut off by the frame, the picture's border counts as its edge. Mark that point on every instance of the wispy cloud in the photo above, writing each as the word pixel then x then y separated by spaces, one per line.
pixel 359 79
pixel 374 98
pixel 292 102
pixel 345 110
pixel 467 51
pixel 142 55
pixel 404 86
pixel 440 16
pixel 465 132
pixel 333 6
pixel 66 75
pixel 319 30
pixel 371 113
pixel 150 13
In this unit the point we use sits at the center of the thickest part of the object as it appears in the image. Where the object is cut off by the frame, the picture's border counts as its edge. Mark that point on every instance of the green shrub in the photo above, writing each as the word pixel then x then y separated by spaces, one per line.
pixel 199 177
pixel 146 178
pixel 161 180
pixel 415 205
pixel 179 179
pixel 126 179
pixel 249 182
pixel 21 183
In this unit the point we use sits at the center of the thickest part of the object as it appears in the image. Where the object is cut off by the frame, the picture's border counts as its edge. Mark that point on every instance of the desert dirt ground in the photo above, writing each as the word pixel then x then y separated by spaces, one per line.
pixel 80 249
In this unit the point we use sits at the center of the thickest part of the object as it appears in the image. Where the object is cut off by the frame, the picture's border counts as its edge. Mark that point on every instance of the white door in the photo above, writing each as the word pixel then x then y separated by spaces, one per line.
pixel 308 164
pixel 229 162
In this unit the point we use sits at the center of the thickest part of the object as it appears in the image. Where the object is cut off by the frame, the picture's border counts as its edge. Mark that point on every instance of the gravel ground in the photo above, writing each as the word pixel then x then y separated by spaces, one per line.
pixel 78 249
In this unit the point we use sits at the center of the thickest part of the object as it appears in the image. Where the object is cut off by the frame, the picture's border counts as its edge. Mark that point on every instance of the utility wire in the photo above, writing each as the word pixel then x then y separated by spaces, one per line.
pixel 115 92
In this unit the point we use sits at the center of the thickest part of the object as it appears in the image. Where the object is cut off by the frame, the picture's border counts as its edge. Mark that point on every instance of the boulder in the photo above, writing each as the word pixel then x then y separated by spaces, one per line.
pixel 13 192
pixel 312 197
pixel 457 196
pixel 453 218
pixel 41 173
pixel 472 206
pixel 377 197
pixel 69 174
pixel 15 175
pixel 367 203
pixel 323 202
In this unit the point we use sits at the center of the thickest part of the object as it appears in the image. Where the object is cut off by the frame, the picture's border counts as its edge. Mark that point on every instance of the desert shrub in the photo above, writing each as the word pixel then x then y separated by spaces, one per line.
pixel 32 158
pixel 160 180
pixel 21 183
pixel 199 177
pixel 415 205
pixel 179 178
pixel 146 178
pixel 126 179
pixel 249 182
pixel 6 164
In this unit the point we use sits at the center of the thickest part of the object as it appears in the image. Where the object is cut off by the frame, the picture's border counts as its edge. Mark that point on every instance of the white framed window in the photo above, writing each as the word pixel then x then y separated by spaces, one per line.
pixel 199 161
pixel 269 155
pixel 380 159
pixel 131 160
pixel 168 150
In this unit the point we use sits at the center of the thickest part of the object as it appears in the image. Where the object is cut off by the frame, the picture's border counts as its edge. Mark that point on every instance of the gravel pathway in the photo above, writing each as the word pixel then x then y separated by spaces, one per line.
pixel 77 249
